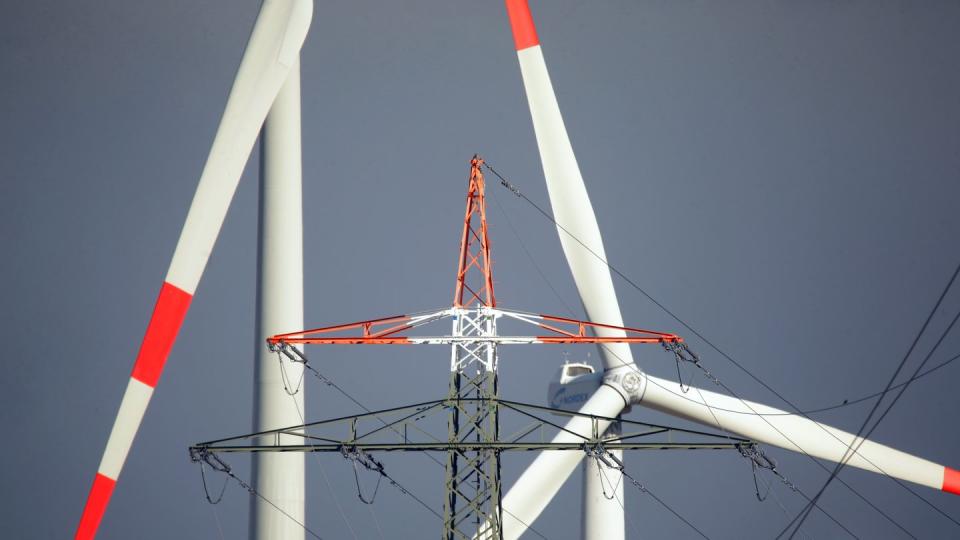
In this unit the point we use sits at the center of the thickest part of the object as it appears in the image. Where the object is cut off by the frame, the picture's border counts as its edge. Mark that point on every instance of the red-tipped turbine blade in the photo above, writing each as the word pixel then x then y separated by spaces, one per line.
pixel 794 432
pixel 273 48
pixel 576 221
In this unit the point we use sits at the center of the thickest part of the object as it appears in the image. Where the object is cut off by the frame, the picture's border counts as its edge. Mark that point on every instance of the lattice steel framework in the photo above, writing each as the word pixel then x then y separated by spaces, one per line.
pixel 473 445
pixel 473 477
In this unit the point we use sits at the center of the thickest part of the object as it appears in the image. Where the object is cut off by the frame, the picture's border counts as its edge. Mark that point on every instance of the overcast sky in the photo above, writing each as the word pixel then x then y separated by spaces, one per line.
pixel 783 175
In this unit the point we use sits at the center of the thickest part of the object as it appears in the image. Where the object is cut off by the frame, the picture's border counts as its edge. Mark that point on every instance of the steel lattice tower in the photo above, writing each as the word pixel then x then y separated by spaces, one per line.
pixel 473 410
pixel 473 477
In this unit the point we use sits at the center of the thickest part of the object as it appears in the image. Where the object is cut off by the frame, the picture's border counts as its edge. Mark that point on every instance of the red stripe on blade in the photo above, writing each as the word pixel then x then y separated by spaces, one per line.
pixel 521 22
pixel 96 506
pixel 951 480
pixel 164 324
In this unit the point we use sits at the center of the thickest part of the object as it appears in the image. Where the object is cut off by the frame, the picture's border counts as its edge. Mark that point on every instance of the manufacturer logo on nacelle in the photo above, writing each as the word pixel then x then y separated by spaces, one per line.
pixel 563 400
pixel 572 395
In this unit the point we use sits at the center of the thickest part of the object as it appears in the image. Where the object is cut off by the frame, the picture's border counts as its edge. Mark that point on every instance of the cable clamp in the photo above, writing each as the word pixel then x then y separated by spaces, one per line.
pixel 204 455
pixel 292 353
pixel 754 453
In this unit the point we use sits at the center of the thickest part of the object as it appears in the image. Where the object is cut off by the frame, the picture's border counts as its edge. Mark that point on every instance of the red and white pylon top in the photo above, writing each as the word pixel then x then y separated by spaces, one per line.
pixel 475 245
pixel 473 293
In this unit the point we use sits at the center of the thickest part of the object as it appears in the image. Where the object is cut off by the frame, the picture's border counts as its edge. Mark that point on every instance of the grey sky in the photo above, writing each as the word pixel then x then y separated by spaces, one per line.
pixel 784 175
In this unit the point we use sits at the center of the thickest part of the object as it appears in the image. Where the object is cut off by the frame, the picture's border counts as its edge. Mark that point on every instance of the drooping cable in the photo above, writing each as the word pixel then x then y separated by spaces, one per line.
pixel 768 463
pixel 800 449
pixel 533 261
pixel 285 379
pixel 323 472
pixel 633 526
pixel 301 358
pixel 367 462
pixel 845 403
pixel 611 461
pixel 213 501
pixel 759 459
pixel 850 449
pixel 570 311
pixel 507 184
pixel 216 519
pixel 219 465
pixel 517 192
pixel 206 491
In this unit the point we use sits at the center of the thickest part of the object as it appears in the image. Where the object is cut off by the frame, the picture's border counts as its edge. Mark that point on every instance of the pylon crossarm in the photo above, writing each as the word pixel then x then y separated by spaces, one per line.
pixel 355 433
pixel 411 412
pixel 393 331
pixel 456 447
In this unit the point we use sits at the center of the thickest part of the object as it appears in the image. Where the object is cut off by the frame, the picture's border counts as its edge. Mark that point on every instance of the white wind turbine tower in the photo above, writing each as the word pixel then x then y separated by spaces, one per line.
pixel 267 81
pixel 624 384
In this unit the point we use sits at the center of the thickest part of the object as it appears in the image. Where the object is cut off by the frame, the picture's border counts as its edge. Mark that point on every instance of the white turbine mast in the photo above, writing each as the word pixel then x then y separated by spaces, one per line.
pixel 279 478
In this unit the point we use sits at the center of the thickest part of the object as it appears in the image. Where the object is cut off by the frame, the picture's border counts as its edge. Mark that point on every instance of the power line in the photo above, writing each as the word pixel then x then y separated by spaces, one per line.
pixel 803 514
pixel 518 193
pixel 379 469
pixel 845 403
pixel 783 479
pixel 219 465
pixel 602 457
pixel 819 464
pixel 507 184
pixel 285 380
pixel 570 312
pixel 530 256
pixel 329 382
pixel 633 526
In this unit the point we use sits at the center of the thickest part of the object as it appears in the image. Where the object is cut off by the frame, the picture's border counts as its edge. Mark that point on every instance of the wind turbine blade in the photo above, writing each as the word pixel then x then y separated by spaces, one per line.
pixel 273 49
pixel 576 221
pixel 583 248
pixel 793 432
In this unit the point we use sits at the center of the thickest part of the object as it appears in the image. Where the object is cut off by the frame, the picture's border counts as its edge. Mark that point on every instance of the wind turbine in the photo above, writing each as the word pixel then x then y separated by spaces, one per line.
pixel 267 81
pixel 624 384
pixel 269 63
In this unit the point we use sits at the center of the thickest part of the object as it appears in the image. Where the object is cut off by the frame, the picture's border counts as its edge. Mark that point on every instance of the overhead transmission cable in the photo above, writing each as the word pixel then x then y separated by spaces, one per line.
pixel 216 518
pixel 377 468
pixel 611 461
pixel 323 472
pixel 616 497
pixel 511 187
pixel 301 358
pixel 846 403
pixel 219 465
pixel 805 512
pixel 772 467
pixel 517 192
pixel 783 479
